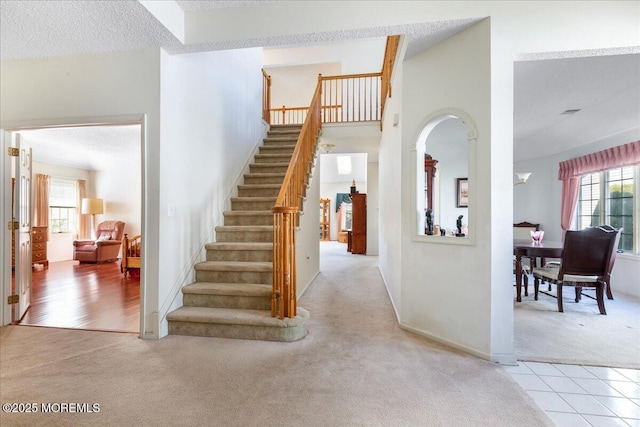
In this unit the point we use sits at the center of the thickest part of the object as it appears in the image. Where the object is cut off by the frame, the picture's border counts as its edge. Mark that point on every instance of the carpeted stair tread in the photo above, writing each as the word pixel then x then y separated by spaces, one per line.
pixel 277 147
pixel 266 175
pixel 273 156
pixel 253 199
pixel 231 295
pixel 235 289
pixel 258 186
pixel 247 213
pixel 255 266
pixel 244 227
pixel 239 246
pixel 229 316
pixel 271 165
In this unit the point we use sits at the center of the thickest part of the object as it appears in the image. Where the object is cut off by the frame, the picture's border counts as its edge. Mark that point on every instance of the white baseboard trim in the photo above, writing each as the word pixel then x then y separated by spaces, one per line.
pixel 457 346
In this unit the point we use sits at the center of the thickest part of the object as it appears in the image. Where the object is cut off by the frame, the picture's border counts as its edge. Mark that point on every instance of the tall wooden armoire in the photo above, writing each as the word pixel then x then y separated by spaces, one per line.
pixel 358 223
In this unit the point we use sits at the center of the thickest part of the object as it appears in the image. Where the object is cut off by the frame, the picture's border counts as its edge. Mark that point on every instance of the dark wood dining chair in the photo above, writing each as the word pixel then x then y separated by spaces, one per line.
pixel 521 230
pixel 585 263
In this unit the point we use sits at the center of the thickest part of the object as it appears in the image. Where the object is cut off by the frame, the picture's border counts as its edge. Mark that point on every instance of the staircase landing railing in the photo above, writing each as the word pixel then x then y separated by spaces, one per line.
pixel 347 98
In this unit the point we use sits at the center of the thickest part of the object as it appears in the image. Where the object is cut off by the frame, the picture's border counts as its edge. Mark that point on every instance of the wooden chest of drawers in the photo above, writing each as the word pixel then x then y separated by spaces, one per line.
pixel 39 246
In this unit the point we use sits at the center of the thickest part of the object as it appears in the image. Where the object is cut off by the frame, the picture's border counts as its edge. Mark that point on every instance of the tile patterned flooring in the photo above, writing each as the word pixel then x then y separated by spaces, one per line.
pixel 580 396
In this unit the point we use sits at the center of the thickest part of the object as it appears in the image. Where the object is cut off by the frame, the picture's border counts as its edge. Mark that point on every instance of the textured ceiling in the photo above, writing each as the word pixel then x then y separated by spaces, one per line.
pixel 605 87
pixel 36 29
pixel 87 147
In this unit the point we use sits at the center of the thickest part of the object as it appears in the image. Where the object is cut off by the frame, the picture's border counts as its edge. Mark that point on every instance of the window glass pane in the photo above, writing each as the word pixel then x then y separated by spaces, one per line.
pixel 619 203
pixel 62 192
pixel 589 201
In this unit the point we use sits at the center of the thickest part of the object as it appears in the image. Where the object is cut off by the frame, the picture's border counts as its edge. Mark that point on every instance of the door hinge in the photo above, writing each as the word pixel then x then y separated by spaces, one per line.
pixel 13 225
pixel 13 299
pixel 13 151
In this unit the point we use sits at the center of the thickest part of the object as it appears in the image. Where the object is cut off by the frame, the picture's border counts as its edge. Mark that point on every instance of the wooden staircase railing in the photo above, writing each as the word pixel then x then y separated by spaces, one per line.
pixel 347 98
pixel 285 212
pixel 337 99
pixel 266 97
pixel 390 52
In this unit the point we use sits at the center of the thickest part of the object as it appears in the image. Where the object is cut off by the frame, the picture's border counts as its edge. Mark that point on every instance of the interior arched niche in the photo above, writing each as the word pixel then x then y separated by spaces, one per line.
pixel 448 139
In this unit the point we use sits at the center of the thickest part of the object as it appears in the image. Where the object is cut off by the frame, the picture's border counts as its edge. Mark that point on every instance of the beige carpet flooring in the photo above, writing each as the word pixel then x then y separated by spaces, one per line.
pixel 580 335
pixel 355 368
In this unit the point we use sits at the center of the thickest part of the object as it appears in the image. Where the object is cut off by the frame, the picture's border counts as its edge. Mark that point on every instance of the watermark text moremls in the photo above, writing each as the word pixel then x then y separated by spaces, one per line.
pixel 69 407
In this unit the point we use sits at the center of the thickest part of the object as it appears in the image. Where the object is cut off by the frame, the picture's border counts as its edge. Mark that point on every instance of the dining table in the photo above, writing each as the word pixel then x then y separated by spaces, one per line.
pixel 530 249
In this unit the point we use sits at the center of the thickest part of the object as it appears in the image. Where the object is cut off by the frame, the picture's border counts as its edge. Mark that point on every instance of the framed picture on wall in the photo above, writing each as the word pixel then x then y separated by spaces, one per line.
pixel 462 192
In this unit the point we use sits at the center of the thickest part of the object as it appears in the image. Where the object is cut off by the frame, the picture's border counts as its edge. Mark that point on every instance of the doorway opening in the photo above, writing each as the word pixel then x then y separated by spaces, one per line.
pixel 98 161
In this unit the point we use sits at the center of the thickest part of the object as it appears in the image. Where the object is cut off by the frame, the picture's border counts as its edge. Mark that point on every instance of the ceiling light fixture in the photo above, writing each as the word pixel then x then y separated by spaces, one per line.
pixel 571 111
pixel 327 148
pixel 522 177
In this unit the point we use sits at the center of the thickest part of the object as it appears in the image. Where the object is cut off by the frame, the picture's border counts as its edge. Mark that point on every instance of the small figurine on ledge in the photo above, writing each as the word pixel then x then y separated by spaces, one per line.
pixel 428 229
pixel 353 187
pixel 459 226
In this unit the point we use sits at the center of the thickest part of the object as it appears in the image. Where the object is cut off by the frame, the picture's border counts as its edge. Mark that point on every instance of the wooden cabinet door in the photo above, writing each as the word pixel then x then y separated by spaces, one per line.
pixel 359 223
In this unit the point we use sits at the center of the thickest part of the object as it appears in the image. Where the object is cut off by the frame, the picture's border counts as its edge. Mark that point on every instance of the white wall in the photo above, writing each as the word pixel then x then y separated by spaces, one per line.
pixel 294 86
pixel 107 88
pixel 446 288
pixel 373 208
pixel 389 181
pixel 543 185
pixel 307 241
pixel 355 56
pixel 211 125
pixel 120 186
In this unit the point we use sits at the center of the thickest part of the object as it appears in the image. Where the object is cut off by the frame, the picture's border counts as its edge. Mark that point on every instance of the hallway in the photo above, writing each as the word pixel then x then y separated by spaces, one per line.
pixel 355 367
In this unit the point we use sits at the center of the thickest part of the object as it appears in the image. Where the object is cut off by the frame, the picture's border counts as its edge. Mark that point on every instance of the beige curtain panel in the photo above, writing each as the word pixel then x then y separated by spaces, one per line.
pixel 84 225
pixel 41 203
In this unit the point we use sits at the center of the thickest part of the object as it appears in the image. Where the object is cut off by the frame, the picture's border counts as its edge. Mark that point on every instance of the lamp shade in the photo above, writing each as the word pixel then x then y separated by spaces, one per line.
pixel 523 176
pixel 92 206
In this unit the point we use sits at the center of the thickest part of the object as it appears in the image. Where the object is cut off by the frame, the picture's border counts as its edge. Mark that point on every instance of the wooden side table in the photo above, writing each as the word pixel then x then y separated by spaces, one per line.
pixel 39 246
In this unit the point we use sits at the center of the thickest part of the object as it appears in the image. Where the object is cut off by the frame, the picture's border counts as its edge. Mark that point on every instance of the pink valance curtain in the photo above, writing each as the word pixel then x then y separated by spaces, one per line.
pixel 571 170
pixel 622 155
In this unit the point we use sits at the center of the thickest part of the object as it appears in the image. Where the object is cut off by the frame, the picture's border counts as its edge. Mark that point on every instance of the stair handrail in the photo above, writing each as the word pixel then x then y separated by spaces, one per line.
pixel 285 212
pixel 390 52
pixel 266 96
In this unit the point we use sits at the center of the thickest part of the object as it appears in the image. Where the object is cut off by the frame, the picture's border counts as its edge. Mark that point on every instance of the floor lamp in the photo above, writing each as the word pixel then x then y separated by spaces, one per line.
pixel 92 207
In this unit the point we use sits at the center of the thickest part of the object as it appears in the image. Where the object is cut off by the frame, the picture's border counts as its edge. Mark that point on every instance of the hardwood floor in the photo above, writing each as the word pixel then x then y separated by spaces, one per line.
pixel 84 296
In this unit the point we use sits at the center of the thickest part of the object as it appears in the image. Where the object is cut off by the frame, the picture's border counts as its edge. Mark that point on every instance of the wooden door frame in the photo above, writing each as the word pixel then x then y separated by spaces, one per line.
pixel 6 129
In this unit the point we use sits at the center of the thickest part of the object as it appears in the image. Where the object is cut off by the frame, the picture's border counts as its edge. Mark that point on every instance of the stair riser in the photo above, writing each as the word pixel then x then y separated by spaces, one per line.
pixel 234 277
pixel 244 236
pixel 277 150
pixel 231 255
pixel 279 158
pixel 276 142
pixel 253 179
pixel 241 205
pixel 267 168
pixel 258 192
pixel 228 301
pixel 248 220
pixel 284 132
pixel 238 331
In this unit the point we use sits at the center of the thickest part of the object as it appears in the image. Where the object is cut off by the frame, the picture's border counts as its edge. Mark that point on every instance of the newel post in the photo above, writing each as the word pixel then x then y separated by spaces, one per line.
pixel 283 296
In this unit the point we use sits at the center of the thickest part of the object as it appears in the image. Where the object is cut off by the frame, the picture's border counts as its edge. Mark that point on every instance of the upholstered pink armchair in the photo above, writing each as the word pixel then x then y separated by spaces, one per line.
pixel 105 248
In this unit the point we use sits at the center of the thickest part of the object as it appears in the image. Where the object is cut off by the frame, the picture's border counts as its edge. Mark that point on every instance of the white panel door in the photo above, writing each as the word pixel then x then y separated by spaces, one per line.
pixel 23 234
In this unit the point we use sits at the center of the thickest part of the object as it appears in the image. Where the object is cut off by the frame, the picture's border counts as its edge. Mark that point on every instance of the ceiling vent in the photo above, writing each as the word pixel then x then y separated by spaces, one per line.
pixel 572 111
